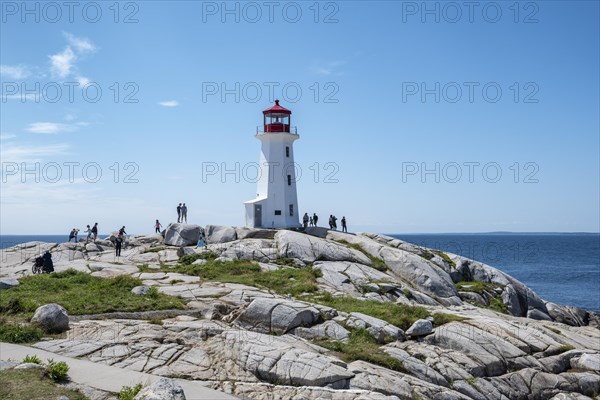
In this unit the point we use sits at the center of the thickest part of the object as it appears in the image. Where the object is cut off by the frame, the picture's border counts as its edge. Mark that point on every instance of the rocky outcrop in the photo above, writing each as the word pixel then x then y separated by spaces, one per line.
pixel 257 343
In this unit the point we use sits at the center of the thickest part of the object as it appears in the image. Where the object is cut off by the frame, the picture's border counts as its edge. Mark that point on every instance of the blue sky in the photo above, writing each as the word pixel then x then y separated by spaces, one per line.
pixel 445 119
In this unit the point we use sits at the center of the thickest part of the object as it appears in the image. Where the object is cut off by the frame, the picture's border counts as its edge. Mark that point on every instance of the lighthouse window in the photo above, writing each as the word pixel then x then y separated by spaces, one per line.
pixel 287 151
pixel 291 210
pixel 289 180
pixel 277 212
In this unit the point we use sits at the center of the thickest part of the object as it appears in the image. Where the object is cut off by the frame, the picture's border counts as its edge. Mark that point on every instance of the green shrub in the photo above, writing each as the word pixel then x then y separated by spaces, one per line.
pixel 128 393
pixel 19 333
pixel 32 359
pixel 153 292
pixel 58 371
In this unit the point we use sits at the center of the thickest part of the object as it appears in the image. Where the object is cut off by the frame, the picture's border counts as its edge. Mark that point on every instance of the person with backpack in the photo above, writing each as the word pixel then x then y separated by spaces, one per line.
pixel 95 231
pixel 118 245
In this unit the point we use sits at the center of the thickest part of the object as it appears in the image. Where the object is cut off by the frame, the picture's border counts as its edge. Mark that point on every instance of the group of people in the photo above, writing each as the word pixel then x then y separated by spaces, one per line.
pixel 333 223
pixel 91 233
pixel 312 221
pixel 181 213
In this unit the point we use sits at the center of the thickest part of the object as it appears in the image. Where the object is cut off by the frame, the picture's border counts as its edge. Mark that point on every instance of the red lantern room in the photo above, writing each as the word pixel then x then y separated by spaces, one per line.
pixel 277 119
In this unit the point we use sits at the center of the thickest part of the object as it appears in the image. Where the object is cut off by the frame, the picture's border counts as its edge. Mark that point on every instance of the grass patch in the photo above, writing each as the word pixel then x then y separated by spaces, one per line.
pixel 426 254
pixel 362 346
pixel 565 348
pixel 128 393
pixel 188 259
pixel 12 332
pixel 446 258
pixel 32 384
pixel 486 290
pixel 154 249
pixel 81 294
pixel 443 318
pixel 553 329
pixel 481 288
pixel 376 262
pixel 400 315
pixel 31 359
pixel 294 281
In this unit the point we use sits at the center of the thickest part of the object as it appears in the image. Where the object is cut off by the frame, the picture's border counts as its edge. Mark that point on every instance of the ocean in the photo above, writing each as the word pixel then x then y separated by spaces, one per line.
pixel 563 268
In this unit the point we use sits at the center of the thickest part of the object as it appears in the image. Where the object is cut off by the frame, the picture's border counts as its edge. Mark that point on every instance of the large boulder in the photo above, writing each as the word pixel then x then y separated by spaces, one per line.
pixel 163 389
pixel 420 327
pixel 182 234
pixel 220 234
pixel 381 330
pixel 277 315
pixel 52 318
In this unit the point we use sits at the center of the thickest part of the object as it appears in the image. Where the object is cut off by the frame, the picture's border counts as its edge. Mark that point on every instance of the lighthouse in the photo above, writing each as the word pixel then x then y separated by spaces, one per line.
pixel 276 202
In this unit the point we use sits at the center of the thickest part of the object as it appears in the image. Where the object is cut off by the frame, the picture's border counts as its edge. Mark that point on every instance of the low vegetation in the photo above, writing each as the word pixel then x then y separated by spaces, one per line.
pixel 31 360
pixel 32 384
pixel 16 332
pixel 80 294
pixel 489 291
pixel 294 281
pixel 58 371
pixel 446 258
pixel 362 346
pixel 376 262
pixel 129 393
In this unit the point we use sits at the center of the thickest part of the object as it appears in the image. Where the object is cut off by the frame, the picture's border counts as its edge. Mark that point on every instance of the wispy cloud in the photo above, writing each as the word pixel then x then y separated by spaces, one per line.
pixel 54 127
pixel 81 45
pixel 6 136
pixel 328 68
pixel 30 153
pixel 63 64
pixel 170 103
pixel 14 71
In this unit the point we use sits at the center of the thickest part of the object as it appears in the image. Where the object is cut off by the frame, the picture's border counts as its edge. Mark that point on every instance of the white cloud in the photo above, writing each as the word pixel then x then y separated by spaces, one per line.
pixel 170 103
pixel 6 136
pixel 14 71
pixel 62 63
pixel 53 127
pixel 329 68
pixel 81 45
pixel 83 81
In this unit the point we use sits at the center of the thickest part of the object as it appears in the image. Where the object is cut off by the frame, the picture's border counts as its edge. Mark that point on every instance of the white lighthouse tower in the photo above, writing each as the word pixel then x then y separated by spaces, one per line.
pixel 276 202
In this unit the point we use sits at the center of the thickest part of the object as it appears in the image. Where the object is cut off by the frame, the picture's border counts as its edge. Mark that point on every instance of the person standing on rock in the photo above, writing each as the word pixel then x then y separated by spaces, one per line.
pixel 344 227
pixel 330 221
pixel 95 231
pixel 179 213
pixel 305 220
pixel 89 234
pixel 118 245
pixel 122 231
pixel 334 222
pixel 315 218
pixel 157 227
pixel 184 213
pixel 311 222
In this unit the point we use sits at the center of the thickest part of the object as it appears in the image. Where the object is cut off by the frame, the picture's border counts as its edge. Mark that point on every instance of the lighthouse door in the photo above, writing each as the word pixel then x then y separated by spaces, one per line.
pixel 258 215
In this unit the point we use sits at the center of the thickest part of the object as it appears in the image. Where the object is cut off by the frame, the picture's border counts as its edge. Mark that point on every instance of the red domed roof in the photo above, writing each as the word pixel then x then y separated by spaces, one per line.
pixel 277 109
